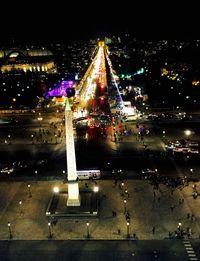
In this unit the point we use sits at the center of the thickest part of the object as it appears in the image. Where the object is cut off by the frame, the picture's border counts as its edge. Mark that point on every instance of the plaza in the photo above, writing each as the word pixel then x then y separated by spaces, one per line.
pixel 146 210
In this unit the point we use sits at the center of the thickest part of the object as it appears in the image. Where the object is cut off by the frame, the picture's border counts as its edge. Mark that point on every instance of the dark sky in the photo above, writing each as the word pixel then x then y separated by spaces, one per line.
pixel 59 20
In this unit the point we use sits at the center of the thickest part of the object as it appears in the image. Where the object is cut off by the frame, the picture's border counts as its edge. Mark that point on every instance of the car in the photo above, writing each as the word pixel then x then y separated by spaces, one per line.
pixel 181 149
pixel 42 162
pixel 193 144
pixel 193 151
pixel 7 170
pixel 148 173
pixel 117 171
pixel 169 146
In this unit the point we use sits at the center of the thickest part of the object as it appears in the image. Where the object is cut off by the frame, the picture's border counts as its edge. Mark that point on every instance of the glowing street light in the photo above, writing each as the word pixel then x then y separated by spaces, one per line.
pixel 20 207
pixel 96 189
pixel 50 232
pixel 127 226
pixel 164 132
pixel 9 230
pixel 88 232
pixel 125 201
pixel 179 225
pixel 36 175
pixel 187 132
pixel 56 190
pixel 29 191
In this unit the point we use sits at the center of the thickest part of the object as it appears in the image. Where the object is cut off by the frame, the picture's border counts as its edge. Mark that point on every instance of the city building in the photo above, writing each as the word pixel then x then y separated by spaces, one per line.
pixel 33 60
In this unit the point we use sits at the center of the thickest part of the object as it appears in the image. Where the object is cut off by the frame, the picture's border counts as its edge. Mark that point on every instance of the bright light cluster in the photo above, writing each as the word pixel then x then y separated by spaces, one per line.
pixel 95 76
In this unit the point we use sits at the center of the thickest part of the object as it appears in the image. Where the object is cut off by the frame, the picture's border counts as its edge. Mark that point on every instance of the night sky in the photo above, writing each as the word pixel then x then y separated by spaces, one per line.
pixel 70 20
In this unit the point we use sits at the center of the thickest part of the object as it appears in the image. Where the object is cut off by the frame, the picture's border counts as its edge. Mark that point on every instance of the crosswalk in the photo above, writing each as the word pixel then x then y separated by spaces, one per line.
pixel 190 251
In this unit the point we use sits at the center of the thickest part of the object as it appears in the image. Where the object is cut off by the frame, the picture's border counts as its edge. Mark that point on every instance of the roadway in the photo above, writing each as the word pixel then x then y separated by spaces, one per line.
pixel 162 250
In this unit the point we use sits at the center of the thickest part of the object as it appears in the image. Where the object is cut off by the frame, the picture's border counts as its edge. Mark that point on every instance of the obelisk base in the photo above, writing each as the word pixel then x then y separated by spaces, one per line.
pixel 73 199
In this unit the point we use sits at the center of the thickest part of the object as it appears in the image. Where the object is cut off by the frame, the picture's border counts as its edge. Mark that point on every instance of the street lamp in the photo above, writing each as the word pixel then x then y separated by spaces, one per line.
pixel 29 191
pixel 88 232
pixel 163 134
pixel 125 205
pixel 96 189
pixel 56 189
pixel 179 225
pixel 32 136
pixel 9 136
pixel 127 226
pixel 9 230
pixel 20 207
pixel 64 175
pixel 36 175
pixel 187 133
pixel 49 226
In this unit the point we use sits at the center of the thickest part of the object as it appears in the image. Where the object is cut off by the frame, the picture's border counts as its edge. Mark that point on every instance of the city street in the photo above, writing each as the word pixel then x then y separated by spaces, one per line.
pixel 149 250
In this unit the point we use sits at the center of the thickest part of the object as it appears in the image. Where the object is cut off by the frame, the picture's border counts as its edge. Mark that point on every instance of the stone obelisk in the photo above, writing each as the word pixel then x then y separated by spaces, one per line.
pixel 73 188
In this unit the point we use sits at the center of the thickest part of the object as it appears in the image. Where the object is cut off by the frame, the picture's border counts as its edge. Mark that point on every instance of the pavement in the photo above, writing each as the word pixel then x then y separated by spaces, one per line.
pixel 147 208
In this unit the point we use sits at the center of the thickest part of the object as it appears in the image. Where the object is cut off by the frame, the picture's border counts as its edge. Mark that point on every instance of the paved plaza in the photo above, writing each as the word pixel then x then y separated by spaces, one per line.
pixel 152 213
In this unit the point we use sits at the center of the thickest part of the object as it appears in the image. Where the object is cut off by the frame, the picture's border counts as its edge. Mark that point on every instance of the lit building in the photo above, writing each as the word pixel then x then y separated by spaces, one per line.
pixel 33 60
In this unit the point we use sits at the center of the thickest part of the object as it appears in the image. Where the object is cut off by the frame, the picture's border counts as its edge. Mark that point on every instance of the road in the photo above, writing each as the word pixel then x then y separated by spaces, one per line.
pixel 164 250
pixel 128 154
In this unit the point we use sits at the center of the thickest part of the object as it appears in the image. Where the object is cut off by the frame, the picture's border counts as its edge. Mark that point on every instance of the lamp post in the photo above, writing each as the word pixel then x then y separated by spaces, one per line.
pixel 56 190
pixel 49 226
pixel 127 226
pixel 36 175
pixel 191 171
pixel 32 136
pixel 188 133
pixel 96 189
pixel 179 225
pixel 29 191
pixel 20 207
pixel 9 230
pixel 9 136
pixel 88 231
pixel 125 201
pixel 163 134
pixel 64 175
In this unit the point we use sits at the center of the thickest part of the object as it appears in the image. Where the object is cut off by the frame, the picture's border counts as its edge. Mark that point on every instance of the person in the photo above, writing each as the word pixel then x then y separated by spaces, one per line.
pixel 119 231
pixel 153 229
pixel 114 213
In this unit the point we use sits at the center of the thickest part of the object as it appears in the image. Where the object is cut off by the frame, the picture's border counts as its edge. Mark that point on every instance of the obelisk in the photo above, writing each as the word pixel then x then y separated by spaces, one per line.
pixel 73 188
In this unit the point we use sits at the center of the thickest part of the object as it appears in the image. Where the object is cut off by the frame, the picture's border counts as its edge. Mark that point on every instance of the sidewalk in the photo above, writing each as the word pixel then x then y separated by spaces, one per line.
pixel 28 220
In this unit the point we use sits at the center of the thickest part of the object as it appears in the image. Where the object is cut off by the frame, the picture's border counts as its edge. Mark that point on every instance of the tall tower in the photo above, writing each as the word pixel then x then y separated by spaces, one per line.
pixel 73 188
